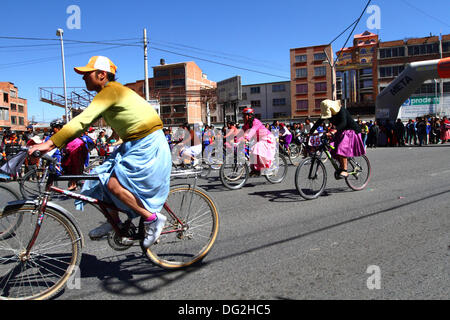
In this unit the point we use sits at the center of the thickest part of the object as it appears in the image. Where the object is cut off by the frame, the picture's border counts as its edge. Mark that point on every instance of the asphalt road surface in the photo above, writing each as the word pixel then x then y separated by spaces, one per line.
pixel 389 241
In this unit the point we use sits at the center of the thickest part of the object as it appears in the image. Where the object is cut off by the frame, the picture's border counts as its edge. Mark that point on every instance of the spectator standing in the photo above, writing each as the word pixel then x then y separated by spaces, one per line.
pixel 445 129
pixel 399 130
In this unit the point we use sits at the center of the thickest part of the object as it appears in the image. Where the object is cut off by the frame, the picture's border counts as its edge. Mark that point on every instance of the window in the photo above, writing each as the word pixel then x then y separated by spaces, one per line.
pixel 392 52
pixel 4 114
pixel 5 97
pixel 423 49
pixel 279 102
pixel 162 84
pixel 13 94
pixel 254 90
pixel 446 86
pixel 178 83
pixel 366 71
pixel 301 88
pixel 366 84
pixel 21 122
pixel 301 73
pixel 317 103
pixel 177 71
pixel 319 56
pixel 166 110
pixel 363 51
pixel 13 120
pixel 445 46
pixel 278 88
pixel 320 71
pixel 302 105
pixel 320 87
pixel 255 103
pixel 179 108
pixel 301 58
pixel 244 95
pixel 393 71
pixel 13 107
pixel 162 73
pixel 20 108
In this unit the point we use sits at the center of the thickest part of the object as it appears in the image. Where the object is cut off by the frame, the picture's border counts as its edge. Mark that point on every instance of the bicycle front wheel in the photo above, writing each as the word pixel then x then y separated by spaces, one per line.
pixel 234 175
pixel 310 178
pixel 359 172
pixel 54 257
pixel 190 231
pixel 32 184
pixel 8 224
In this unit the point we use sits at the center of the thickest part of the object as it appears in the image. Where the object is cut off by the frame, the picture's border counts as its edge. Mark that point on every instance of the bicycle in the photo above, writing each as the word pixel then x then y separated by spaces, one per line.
pixel 38 259
pixel 235 172
pixel 311 175
pixel 293 153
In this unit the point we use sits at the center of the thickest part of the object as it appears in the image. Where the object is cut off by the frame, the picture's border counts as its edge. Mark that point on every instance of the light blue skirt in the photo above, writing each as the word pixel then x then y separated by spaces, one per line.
pixel 142 166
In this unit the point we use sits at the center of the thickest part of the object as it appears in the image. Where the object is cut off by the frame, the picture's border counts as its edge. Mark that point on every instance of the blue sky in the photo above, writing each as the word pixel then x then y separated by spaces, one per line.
pixel 255 35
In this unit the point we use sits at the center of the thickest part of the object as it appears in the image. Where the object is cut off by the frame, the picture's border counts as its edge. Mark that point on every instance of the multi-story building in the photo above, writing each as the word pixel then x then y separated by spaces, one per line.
pixel 356 74
pixel 269 100
pixel 13 109
pixel 183 91
pixel 366 68
pixel 311 79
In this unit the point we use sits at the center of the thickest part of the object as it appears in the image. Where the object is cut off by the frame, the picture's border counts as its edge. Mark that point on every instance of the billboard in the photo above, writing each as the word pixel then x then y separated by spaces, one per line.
pixel 229 90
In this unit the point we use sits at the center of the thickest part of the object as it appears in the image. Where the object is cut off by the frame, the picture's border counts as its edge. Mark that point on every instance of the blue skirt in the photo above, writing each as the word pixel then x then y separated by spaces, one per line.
pixel 142 166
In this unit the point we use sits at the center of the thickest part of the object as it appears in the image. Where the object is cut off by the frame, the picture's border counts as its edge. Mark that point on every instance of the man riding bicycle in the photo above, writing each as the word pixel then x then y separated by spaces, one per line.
pixel 136 177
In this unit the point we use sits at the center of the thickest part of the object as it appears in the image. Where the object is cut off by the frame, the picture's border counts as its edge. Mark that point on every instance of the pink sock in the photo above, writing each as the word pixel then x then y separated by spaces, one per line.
pixel 151 218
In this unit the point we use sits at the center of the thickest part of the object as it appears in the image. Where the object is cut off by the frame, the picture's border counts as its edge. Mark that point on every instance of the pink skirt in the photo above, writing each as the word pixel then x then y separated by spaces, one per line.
pixel 348 144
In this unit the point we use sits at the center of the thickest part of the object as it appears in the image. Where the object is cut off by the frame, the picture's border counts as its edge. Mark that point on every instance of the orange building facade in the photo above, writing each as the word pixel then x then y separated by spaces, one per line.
pixel 182 90
pixel 13 109
pixel 311 79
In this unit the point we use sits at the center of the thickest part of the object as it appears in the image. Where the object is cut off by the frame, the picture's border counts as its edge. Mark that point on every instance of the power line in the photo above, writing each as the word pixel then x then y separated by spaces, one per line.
pixel 425 13
pixel 220 63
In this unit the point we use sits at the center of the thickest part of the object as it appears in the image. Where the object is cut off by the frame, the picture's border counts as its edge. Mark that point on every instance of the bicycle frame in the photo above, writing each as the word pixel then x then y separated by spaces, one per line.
pixel 100 205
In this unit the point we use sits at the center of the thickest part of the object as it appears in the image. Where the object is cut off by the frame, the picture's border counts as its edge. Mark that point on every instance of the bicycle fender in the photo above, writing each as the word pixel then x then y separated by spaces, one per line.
pixel 14 205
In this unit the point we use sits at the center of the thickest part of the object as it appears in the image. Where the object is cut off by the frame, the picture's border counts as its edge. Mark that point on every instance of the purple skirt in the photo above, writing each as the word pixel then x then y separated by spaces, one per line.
pixel 348 144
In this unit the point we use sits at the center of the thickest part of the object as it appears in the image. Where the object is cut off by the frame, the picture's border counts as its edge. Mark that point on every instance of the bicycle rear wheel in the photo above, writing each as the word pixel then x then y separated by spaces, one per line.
pixel 310 178
pixel 190 231
pixel 359 172
pixel 277 172
pixel 8 224
pixel 54 257
pixel 234 176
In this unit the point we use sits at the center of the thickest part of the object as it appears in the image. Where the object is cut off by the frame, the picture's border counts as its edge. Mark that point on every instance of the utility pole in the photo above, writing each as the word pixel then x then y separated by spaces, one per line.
pixel 60 33
pixel 441 101
pixel 147 93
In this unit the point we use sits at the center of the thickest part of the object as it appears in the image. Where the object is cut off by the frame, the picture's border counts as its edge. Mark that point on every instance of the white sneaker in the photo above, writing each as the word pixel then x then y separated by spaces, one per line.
pixel 101 231
pixel 153 230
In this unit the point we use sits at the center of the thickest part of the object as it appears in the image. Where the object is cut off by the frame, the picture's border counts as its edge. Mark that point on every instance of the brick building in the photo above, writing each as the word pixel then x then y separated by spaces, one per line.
pixel 183 91
pixel 13 109
pixel 366 68
pixel 311 79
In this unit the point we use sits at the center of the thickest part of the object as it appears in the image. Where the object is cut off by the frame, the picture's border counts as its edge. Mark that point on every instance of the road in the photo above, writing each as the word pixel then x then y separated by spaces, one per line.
pixel 389 241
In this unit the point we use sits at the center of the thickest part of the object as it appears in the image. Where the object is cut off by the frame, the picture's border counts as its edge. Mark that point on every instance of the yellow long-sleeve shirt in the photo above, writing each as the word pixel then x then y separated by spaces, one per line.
pixel 122 109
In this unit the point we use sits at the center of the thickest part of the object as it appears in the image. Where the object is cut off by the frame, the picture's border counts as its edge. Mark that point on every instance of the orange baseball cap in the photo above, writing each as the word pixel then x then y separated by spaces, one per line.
pixel 97 63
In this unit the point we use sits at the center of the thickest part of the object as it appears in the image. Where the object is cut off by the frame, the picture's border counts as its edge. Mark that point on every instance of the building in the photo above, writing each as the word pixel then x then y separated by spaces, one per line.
pixel 356 74
pixel 183 91
pixel 366 68
pixel 13 109
pixel 269 100
pixel 311 79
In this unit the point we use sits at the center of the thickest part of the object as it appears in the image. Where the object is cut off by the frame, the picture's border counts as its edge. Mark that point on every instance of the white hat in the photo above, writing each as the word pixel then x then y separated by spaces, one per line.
pixel 36 139
pixel 329 108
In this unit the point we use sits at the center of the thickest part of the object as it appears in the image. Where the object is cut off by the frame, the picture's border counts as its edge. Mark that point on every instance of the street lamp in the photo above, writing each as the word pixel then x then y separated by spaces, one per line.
pixel 59 33
pixel 333 78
